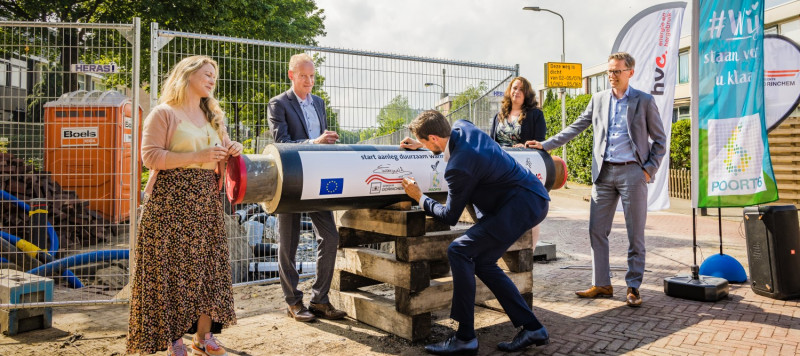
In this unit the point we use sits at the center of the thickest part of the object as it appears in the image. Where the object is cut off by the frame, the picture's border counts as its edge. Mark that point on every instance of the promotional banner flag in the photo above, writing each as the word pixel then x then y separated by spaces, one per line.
pixel 731 162
pixel 781 78
pixel 652 38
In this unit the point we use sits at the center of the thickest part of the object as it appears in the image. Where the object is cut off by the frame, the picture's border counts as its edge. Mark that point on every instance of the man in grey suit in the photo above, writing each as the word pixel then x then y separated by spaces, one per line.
pixel 297 116
pixel 623 162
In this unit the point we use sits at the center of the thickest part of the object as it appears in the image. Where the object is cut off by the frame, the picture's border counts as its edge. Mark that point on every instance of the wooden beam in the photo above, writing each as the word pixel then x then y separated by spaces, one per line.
pixel 380 312
pixel 495 305
pixel 517 261
pixel 431 246
pixel 523 242
pixel 346 281
pixel 387 222
pixel 433 224
pixel 349 237
pixel 440 293
pixel 439 268
pixel 382 266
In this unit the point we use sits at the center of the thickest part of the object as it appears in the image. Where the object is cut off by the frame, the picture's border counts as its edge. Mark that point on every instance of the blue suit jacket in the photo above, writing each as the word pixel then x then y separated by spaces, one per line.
pixel 286 120
pixel 480 173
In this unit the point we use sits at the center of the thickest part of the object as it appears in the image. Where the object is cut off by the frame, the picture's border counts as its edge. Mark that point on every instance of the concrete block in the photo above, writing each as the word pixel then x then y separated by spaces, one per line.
pixel 544 251
pixel 19 288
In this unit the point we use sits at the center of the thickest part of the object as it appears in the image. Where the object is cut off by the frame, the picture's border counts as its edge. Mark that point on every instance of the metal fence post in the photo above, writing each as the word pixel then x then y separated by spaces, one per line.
pixel 135 177
pixel 153 64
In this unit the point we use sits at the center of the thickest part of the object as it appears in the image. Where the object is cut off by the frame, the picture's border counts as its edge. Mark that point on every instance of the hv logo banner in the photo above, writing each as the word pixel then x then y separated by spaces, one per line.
pixel 734 163
pixel 652 37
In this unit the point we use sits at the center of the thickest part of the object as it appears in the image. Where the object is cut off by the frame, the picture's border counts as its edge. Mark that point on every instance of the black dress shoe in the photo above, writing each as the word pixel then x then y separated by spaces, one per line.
pixel 526 338
pixel 454 346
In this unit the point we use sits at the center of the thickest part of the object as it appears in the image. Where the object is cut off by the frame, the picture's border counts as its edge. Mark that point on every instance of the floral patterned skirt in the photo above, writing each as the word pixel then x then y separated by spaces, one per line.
pixel 182 264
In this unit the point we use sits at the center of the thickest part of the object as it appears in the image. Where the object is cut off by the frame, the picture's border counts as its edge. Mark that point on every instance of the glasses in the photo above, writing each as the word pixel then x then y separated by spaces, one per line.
pixel 617 72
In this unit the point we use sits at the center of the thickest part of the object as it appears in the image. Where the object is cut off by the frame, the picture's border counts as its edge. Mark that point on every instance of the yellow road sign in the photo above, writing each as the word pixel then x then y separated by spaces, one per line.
pixel 563 75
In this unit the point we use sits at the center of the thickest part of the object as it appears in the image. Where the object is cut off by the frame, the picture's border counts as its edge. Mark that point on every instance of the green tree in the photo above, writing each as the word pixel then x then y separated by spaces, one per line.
pixel 395 115
pixel 297 21
pixel 42 92
pixel 367 133
pixel 470 94
pixel 680 146
pixel 550 96
pixel 579 150
pixel 349 137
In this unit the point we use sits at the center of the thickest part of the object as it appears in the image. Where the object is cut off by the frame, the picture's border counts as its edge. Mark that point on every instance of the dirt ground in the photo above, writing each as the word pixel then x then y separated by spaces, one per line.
pixel 263 329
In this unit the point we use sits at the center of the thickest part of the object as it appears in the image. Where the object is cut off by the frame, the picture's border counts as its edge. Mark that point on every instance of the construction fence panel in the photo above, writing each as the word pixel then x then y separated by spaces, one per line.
pixel 369 97
pixel 68 183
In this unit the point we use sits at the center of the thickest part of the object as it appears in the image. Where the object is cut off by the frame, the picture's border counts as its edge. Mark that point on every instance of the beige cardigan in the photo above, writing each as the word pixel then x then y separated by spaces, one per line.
pixel 159 127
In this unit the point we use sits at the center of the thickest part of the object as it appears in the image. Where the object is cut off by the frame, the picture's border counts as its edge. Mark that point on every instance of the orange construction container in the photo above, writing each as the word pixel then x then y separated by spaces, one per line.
pixel 88 149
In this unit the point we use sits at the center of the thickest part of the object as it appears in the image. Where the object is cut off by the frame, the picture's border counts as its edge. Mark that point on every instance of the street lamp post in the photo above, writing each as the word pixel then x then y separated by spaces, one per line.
pixel 434 84
pixel 563 90
pixel 444 92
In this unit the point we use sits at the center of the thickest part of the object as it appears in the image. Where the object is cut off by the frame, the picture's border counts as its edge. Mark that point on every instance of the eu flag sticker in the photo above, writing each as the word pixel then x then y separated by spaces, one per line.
pixel 329 186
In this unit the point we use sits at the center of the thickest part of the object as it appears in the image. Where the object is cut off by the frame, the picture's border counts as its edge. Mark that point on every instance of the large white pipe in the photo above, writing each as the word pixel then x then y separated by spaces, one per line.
pixel 295 178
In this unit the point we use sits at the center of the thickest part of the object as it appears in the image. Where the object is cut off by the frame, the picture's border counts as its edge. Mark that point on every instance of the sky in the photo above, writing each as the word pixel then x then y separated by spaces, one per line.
pixel 486 31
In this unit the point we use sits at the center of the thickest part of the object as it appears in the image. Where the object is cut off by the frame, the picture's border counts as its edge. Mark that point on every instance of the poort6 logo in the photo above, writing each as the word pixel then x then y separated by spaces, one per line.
pixel 735 155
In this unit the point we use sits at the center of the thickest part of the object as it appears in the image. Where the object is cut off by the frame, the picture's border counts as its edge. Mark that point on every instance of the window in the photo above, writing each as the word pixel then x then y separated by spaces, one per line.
pixel 19 74
pixel 81 82
pixel 771 30
pixel 3 75
pixel 683 67
pixel 684 113
pixel 791 29
pixel 598 80
pixel 590 85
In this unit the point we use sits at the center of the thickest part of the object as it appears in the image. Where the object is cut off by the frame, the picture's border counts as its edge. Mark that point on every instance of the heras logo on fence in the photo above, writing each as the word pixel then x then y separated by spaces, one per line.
pixel 94 68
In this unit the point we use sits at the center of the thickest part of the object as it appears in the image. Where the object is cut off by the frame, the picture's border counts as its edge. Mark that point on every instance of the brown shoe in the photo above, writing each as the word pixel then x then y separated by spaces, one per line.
pixel 633 299
pixel 326 311
pixel 596 292
pixel 299 312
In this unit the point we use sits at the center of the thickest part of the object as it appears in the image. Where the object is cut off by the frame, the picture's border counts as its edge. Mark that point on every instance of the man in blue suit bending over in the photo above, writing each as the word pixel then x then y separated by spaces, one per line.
pixel 509 199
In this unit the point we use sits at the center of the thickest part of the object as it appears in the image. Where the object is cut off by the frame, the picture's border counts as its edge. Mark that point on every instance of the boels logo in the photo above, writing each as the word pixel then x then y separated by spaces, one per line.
pixel 79 136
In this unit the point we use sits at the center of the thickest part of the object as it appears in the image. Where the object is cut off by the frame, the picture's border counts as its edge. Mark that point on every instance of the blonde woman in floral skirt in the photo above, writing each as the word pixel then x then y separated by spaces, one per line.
pixel 182 282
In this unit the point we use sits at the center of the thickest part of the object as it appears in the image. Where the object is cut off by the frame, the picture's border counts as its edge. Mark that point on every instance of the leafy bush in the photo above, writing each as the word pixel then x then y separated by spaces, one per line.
pixel 579 150
pixel 680 145
pixel 144 178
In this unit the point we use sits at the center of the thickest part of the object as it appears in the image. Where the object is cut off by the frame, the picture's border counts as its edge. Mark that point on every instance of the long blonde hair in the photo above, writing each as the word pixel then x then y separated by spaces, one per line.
pixel 173 92
pixel 529 102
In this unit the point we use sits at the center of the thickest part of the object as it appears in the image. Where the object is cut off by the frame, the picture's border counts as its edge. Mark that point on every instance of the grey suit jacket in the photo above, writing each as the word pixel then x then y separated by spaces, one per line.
pixel 643 121
pixel 286 120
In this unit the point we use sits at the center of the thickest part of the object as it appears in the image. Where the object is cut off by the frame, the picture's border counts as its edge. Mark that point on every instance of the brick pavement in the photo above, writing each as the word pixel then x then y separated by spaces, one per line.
pixel 744 323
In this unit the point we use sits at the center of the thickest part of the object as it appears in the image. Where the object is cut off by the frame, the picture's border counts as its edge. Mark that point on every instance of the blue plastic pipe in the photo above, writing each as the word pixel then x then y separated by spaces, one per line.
pixel 72 280
pixel 51 232
pixel 80 259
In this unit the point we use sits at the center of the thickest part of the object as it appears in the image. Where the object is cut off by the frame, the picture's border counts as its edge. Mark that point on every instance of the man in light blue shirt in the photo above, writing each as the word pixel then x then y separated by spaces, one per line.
pixel 620 147
pixel 623 162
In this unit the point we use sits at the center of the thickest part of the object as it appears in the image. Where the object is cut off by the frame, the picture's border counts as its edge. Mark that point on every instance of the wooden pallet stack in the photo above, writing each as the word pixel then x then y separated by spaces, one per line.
pixel 417 269
pixel 70 216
